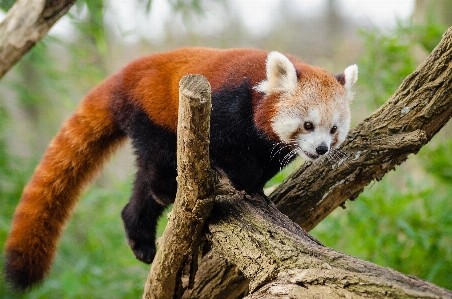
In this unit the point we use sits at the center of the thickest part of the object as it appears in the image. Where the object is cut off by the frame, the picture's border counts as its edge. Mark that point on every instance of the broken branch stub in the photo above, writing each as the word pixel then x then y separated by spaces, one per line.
pixel 196 180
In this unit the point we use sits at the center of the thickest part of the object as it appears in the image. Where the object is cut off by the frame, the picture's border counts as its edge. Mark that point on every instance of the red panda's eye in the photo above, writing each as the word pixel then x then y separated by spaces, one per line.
pixel 308 126
pixel 333 130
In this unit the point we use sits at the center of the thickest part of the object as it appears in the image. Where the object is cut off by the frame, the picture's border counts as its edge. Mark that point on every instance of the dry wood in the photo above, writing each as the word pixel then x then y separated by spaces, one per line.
pixel 24 25
pixel 196 180
pixel 220 277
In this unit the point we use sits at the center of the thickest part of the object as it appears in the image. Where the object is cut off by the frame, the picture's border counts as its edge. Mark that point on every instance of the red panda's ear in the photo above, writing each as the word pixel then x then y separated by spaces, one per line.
pixel 281 75
pixel 348 79
pixel 351 75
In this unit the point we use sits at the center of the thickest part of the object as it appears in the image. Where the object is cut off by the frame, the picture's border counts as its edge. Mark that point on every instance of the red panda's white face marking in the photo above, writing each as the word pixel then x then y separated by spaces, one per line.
pixel 312 112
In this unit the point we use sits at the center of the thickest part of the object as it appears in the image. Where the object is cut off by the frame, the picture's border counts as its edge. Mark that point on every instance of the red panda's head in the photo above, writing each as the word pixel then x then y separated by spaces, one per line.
pixel 305 106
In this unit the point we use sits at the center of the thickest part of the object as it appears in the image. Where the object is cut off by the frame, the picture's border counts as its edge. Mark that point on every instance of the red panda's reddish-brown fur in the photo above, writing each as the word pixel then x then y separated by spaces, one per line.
pixel 141 100
pixel 221 67
pixel 72 159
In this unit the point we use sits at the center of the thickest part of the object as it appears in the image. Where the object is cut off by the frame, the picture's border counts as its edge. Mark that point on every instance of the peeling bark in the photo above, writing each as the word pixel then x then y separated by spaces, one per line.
pixel 26 23
pixel 220 277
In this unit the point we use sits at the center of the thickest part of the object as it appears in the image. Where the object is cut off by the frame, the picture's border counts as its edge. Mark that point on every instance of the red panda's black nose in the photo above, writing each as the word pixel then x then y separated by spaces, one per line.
pixel 322 149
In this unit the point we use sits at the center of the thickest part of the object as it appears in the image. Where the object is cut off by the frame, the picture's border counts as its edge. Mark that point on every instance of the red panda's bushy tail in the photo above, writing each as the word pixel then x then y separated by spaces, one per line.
pixel 71 161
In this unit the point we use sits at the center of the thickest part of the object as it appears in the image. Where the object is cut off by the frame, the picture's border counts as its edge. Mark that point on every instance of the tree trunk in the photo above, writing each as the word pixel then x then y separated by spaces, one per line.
pixel 24 25
pixel 419 108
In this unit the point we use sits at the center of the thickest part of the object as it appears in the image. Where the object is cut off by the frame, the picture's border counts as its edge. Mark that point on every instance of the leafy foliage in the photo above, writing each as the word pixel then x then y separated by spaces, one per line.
pixel 5 5
pixel 13 175
pixel 390 57
pixel 35 84
pixel 438 162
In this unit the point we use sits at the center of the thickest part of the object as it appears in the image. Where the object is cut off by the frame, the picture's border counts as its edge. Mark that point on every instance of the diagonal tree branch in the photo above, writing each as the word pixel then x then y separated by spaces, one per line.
pixel 26 23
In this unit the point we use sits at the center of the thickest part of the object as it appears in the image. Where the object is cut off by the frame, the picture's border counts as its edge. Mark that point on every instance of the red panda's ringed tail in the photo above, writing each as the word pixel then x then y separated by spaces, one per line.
pixel 72 160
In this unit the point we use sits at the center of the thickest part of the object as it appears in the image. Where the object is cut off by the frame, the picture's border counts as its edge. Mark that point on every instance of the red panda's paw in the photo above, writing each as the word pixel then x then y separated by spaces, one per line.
pixel 140 226
pixel 144 250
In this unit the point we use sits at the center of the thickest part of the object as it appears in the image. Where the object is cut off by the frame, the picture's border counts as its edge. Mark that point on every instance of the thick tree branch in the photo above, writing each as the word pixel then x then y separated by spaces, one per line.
pixel 194 200
pixel 283 261
pixel 24 25
pixel 419 108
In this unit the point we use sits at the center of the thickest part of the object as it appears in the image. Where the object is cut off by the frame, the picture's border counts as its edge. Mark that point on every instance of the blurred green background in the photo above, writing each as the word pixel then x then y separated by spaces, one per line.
pixel 403 221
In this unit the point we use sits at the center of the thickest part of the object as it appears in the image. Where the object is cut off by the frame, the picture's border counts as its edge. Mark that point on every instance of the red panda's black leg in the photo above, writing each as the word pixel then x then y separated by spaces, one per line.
pixel 141 235
pixel 154 189
pixel 155 181
pixel 140 217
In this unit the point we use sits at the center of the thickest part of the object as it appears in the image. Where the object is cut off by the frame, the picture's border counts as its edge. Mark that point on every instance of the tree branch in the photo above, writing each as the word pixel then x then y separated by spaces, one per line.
pixel 283 261
pixel 194 200
pixel 27 22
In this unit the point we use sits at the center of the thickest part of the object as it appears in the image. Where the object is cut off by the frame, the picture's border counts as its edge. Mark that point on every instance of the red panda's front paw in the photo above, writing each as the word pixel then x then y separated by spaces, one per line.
pixel 143 251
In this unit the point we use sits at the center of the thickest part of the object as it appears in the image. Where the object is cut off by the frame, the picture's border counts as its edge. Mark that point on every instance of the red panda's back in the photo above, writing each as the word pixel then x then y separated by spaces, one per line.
pixel 153 81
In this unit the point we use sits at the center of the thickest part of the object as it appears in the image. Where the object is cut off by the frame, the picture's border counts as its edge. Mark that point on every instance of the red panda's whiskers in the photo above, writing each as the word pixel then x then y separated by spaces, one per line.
pixel 277 148
pixel 287 158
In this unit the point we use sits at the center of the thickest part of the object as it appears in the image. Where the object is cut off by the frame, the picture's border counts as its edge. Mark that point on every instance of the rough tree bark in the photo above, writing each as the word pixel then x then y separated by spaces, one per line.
pixel 283 261
pixel 180 241
pixel 24 25
pixel 419 108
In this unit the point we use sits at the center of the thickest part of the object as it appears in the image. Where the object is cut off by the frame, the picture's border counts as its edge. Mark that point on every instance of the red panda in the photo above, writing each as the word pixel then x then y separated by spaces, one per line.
pixel 267 107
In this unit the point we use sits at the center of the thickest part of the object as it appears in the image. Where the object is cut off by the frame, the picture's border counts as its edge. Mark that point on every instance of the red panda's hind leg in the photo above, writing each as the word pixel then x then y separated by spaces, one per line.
pixel 155 181
pixel 140 225
pixel 141 213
